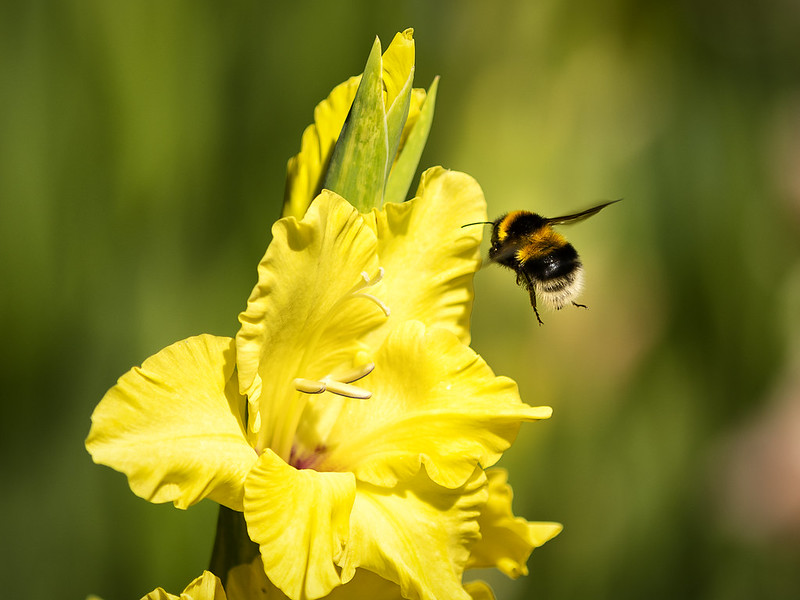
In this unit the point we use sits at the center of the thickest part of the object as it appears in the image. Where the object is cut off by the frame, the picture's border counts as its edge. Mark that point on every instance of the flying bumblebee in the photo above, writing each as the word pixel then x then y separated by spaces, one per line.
pixel 546 264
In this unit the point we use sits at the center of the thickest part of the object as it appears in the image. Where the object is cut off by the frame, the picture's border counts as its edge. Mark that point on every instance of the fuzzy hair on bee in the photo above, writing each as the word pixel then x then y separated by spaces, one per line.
pixel 546 264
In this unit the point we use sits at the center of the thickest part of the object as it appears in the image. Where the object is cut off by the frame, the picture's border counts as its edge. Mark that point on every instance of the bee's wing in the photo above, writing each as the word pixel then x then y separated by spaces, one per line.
pixel 579 216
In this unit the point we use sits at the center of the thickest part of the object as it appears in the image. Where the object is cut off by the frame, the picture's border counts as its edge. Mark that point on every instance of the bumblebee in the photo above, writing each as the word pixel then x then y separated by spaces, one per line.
pixel 546 264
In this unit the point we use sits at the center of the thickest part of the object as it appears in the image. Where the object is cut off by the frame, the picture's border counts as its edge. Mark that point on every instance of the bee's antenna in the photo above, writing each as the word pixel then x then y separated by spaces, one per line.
pixel 478 223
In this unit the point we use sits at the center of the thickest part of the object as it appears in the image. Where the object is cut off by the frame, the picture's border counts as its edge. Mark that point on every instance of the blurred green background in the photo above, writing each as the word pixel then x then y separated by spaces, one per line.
pixel 142 155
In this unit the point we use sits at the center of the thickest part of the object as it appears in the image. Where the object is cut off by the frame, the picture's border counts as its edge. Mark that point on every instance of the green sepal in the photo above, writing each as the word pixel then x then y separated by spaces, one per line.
pixel 395 121
pixel 357 169
pixel 402 173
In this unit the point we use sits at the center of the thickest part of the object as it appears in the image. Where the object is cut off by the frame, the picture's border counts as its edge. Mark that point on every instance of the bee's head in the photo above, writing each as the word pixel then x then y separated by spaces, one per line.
pixel 514 225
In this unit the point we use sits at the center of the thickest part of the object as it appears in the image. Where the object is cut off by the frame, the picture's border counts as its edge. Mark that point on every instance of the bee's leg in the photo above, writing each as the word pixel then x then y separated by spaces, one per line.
pixel 580 305
pixel 532 293
pixel 536 312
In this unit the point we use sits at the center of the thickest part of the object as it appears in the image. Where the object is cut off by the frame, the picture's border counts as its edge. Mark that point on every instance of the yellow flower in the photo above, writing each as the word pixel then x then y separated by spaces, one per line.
pixel 327 469
pixel 348 420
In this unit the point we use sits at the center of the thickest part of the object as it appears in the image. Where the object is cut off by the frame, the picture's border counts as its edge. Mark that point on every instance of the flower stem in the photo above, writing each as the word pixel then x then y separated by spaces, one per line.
pixel 232 544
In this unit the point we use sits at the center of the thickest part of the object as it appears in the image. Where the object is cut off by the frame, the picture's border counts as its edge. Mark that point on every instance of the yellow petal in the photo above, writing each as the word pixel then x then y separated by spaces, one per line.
pixel 175 426
pixel 434 402
pixel 416 535
pixel 299 518
pixel 507 541
pixel 160 594
pixel 305 171
pixel 249 582
pixel 479 590
pixel 366 585
pixel 398 77
pixel 303 319
pixel 206 587
pixel 398 66
pixel 429 258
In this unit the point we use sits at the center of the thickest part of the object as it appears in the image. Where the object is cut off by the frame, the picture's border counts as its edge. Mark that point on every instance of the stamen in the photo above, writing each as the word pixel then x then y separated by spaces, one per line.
pixel 309 386
pixel 365 283
pixel 380 304
pixel 357 374
pixel 347 390
pixel 340 385
pixel 379 276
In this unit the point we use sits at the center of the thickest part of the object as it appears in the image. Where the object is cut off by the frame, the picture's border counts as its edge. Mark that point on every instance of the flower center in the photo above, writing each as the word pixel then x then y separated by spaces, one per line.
pixel 337 382
pixel 306 460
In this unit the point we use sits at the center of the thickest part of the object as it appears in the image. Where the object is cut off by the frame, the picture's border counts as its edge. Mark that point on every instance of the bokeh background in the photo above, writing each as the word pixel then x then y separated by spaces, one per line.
pixel 142 155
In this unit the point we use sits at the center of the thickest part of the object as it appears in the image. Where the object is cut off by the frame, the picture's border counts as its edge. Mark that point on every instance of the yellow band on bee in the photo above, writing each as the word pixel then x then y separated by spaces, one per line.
pixel 540 243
